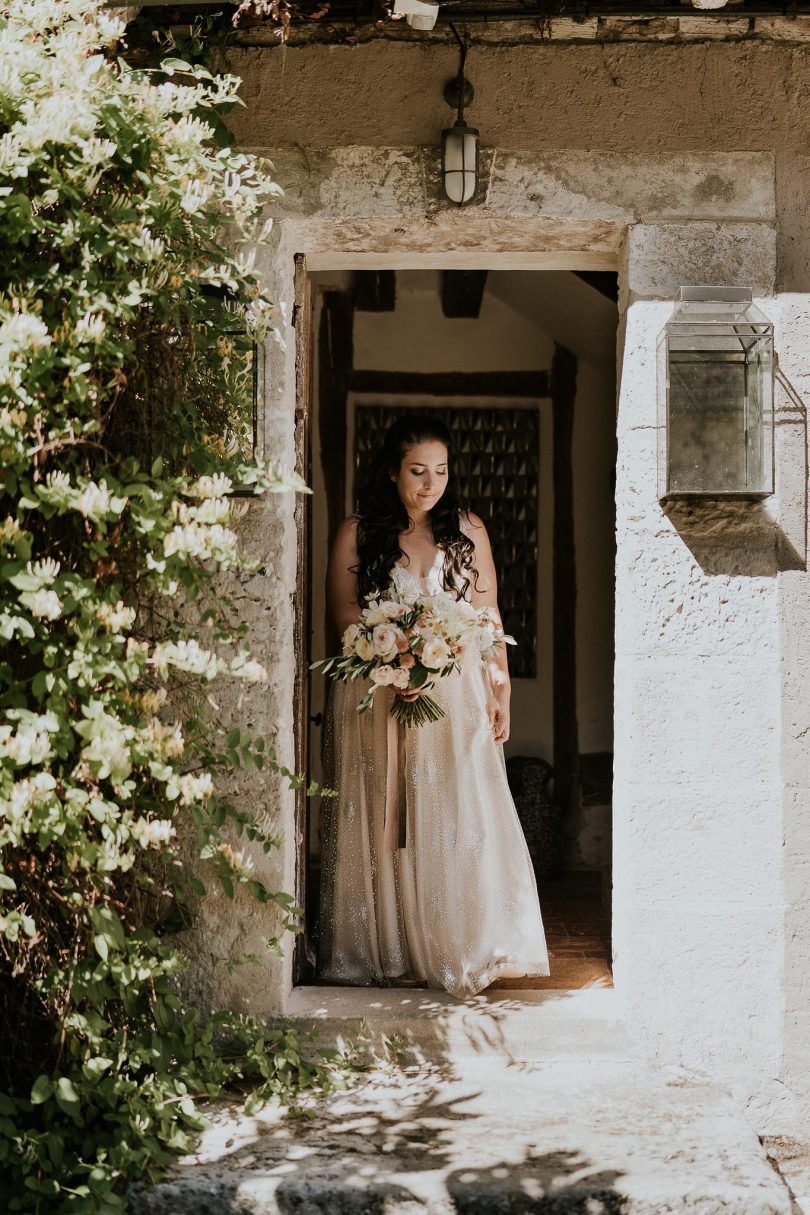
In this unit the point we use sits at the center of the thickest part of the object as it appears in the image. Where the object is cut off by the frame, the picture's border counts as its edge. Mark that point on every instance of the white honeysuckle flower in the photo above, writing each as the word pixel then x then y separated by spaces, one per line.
pixel 249 669
pixel 236 859
pixel 14 161
pixel 107 746
pixel 195 788
pixel 187 135
pixel 97 501
pixel 195 196
pixel 196 540
pixel 57 481
pixel 216 486
pixel 167 738
pixel 260 315
pixel 185 655
pixel 24 332
pixel 45 605
pixel 90 327
pixel 53 119
pixel 95 152
pixel 30 743
pixel 45 570
pixel 115 617
pixel 212 510
pixel 152 832
pixel 10 530
pixel 152 246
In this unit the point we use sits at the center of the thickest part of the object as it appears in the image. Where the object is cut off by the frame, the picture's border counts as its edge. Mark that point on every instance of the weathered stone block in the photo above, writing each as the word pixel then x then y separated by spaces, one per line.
pixel 606 185
pixel 663 257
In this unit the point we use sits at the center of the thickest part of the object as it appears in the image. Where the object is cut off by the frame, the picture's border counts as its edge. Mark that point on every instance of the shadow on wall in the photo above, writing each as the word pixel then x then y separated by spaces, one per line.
pixel 739 537
pixel 733 537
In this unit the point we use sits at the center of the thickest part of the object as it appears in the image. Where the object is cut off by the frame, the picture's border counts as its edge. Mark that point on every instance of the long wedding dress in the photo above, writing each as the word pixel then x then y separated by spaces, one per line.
pixel 426 874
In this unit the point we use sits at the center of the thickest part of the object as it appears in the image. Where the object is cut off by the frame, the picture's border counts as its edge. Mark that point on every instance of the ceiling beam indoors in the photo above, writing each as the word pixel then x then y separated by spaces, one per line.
pixel 463 293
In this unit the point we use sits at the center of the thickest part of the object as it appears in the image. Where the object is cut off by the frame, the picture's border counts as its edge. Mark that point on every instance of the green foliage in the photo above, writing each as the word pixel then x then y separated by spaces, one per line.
pixel 124 424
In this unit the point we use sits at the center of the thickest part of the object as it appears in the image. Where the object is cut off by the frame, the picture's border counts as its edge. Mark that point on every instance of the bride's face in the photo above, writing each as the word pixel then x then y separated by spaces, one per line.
pixel 422 476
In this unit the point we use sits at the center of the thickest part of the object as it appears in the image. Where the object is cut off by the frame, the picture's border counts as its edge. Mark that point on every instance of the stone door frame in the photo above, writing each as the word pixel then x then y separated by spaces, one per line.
pixel 398 258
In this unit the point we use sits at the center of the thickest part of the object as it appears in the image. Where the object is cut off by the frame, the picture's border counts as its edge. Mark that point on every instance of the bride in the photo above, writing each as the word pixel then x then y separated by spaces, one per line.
pixel 426 874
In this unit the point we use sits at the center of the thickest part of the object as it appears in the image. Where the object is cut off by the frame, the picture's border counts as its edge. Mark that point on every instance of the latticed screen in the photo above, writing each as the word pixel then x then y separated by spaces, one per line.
pixel 495 466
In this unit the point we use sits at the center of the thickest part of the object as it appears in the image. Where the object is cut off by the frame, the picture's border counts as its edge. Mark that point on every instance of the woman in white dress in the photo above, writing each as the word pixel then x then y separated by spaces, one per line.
pixel 426 874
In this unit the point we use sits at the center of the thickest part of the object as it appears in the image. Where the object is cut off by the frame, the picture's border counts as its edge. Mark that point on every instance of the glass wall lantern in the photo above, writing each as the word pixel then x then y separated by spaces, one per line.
pixel 715 381
pixel 459 142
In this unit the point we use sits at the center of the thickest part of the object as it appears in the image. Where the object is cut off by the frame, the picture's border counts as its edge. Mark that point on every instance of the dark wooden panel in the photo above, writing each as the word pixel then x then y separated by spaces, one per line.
pixel 566 734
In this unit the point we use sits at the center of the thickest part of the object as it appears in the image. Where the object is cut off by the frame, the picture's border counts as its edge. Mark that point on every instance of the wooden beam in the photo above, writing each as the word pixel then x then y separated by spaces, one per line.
pixel 303 958
pixel 566 733
pixel 375 290
pixel 531 384
pixel 603 281
pixel 463 292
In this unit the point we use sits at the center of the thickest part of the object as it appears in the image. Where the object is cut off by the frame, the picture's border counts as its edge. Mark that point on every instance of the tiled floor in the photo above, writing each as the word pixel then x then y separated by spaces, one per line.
pixel 577 928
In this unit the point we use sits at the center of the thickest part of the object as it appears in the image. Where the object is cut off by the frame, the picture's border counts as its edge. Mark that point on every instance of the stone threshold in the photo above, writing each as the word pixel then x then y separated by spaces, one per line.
pixel 435 1025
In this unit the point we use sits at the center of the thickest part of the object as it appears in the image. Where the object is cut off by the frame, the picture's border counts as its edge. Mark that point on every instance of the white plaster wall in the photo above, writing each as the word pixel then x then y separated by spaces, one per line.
pixel 697 794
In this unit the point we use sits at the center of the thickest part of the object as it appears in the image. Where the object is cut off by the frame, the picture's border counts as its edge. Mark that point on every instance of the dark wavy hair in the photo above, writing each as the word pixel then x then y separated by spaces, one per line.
pixel 382 515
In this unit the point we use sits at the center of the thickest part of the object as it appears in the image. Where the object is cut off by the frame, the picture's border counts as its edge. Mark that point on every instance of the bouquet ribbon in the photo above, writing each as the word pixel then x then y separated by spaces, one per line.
pixel 395 825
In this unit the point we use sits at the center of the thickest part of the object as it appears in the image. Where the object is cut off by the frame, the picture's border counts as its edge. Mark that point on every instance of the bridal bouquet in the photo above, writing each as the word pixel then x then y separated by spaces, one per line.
pixel 409 645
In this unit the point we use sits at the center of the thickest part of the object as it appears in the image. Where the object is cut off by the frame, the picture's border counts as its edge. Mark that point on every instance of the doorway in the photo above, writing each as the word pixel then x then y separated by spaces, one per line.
pixel 521 364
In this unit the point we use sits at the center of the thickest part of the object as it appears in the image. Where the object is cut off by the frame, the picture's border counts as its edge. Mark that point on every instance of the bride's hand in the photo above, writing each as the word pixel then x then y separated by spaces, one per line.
pixel 410 694
pixel 498 715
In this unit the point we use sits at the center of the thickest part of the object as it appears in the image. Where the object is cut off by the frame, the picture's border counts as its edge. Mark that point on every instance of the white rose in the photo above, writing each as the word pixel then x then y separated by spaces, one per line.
pixel 435 654
pixel 383 676
pixel 364 648
pixel 392 609
pixel 349 638
pixel 385 641
pixel 400 678
pixel 374 614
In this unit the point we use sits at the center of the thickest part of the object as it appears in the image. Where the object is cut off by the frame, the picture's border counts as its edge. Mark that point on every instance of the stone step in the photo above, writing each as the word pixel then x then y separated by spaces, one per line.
pixel 430 1025
pixel 482 1134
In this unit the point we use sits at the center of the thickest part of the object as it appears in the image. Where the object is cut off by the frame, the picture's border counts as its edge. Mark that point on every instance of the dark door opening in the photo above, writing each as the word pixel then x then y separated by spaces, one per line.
pixel 521 364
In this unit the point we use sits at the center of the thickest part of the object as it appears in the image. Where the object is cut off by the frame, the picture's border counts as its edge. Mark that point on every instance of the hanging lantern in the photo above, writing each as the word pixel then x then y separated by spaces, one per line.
pixel 459 142
pixel 460 162
pixel 716 368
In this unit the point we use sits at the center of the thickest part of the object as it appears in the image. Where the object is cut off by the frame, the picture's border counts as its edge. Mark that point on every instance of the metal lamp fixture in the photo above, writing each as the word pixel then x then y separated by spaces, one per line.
pixel 715 377
pixel 459 142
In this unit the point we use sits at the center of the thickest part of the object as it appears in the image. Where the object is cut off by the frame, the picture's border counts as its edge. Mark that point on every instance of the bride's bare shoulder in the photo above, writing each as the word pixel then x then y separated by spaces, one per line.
pixel 471 524
pixel 346 536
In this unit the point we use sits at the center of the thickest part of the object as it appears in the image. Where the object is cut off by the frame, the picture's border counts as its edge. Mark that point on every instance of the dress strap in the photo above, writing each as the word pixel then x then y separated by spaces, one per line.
pixel 396 819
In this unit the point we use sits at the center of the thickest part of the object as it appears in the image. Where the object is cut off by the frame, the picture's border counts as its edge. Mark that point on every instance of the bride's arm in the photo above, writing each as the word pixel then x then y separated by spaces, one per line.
pixel 485 594
pixel 341 580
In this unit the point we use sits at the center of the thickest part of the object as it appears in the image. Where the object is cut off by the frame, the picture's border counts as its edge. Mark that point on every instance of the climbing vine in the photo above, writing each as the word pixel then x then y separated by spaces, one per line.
pixel 127 325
